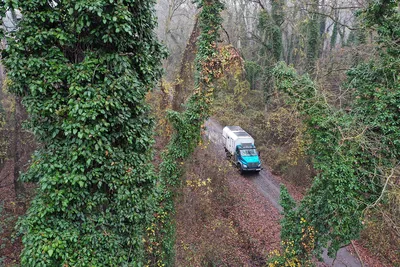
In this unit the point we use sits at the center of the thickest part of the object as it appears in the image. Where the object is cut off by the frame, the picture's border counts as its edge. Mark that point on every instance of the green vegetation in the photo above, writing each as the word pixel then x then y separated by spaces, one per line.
pixel 271 43
pixel 355 152
pixel 313 37
pixel 84 76
pixel 187 125
pixel 83 70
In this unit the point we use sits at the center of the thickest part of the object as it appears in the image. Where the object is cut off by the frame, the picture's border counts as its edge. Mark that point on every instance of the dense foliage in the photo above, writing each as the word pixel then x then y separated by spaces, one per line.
pixel 355 150
pixel 187 124
pixel 83 69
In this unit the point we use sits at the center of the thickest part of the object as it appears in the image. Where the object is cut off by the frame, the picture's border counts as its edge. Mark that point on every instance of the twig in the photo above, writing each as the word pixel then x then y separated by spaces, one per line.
pixel 358 255
pixel 350 137
pixel 384 188
pixel 6 185
pixel 389 221
pixel 332 18
pixel 259 2
pixel 227 35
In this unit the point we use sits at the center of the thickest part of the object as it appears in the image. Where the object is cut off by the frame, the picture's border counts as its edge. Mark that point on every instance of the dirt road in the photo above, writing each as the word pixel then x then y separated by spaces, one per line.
pixel 268 186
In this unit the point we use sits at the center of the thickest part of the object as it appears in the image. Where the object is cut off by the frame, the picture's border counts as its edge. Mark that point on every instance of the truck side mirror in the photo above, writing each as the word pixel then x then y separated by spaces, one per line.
pixel 259 153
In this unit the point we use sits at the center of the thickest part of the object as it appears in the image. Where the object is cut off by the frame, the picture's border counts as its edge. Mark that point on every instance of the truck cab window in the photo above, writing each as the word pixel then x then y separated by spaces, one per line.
pixel 248 152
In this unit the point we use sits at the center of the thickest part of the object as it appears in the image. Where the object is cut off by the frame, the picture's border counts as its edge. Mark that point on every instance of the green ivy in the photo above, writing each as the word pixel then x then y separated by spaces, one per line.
pixel 269 27
pixel 83 69
pixel 313 36
pixel 187 125
pixel 353 150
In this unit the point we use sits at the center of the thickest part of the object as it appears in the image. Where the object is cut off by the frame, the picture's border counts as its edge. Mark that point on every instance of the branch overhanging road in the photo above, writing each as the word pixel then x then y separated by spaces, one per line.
pixel 269 187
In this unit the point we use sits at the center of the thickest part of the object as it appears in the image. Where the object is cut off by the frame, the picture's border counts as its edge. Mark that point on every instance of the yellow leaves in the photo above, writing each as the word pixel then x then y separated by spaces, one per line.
pixel 200 184
pixel 151 229
pixel 203 145
pixel 184 246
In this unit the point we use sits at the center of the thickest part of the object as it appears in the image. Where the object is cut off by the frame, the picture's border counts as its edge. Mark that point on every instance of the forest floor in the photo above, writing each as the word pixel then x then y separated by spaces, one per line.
pixel 239 225
pixel 11 208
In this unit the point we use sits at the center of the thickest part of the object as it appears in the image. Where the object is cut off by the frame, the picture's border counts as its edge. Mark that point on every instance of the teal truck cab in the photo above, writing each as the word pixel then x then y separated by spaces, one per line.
pixel 239 147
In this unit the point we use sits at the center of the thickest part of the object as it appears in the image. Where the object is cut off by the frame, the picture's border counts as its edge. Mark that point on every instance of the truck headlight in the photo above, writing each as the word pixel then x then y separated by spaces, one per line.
pixel 259 165
pixel 244 166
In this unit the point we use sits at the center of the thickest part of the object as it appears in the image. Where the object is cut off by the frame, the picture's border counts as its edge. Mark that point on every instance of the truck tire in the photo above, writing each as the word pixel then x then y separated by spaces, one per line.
pixel 226 153
pixel 241 171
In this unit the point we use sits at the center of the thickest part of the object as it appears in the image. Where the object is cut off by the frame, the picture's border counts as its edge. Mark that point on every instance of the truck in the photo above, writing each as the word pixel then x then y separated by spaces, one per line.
pixel 240 149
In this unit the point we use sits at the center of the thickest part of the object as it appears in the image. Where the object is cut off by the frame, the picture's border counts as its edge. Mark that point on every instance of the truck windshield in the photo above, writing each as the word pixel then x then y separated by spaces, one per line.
pixel 248 152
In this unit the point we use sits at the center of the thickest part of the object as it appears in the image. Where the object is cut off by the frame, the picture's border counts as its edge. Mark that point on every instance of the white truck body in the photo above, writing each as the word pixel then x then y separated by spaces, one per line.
pixel 234 136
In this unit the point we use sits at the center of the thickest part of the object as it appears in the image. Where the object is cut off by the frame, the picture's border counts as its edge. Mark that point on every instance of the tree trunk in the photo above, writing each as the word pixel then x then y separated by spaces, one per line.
pixel 18 185
pixel 322 26
pixel 184 88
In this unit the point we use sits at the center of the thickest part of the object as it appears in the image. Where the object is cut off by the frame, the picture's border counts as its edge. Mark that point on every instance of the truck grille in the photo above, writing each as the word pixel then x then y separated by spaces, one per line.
pixel 252 165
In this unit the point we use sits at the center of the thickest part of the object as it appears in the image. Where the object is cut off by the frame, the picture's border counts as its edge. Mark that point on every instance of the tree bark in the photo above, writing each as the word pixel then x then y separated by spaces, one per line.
pixel 184 88
pixel 19 187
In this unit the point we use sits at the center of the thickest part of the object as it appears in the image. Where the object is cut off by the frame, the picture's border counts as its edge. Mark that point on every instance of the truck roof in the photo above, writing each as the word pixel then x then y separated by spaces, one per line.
pixel 244 134
pixel 236 132
pixel 235 136
pixel 235 128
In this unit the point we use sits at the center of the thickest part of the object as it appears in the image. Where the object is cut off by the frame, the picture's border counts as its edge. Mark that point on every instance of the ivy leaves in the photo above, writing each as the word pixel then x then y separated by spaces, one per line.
pixel 84 70
pixel 353 151
pixel 187 125
pixel 332 207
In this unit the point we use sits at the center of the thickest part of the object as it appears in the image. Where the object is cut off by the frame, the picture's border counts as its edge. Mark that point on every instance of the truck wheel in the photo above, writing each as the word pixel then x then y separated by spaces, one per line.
pixel 240 168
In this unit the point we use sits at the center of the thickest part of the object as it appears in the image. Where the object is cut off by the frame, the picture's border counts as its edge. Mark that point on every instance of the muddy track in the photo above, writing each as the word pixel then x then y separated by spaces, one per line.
pixel 269 187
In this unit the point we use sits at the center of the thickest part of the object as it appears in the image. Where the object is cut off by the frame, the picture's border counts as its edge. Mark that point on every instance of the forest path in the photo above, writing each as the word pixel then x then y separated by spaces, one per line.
pixel 269 187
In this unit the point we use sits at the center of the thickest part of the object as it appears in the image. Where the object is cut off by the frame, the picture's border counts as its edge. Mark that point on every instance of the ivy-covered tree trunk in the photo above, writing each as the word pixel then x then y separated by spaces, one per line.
pixel 313 37
pixel 334 31
pixel 83 69
pixel 322 33
pixel 187 124
pixel 356 152
pixel 278 15
pixel 271 50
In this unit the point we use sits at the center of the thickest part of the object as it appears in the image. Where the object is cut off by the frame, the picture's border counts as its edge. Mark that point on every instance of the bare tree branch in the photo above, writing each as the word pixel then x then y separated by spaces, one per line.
pixel 384 188
pixel 332 18
pixel 259 3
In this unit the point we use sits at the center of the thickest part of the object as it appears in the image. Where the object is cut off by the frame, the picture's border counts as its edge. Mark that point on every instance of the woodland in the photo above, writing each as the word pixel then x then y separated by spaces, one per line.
pixel 106 108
